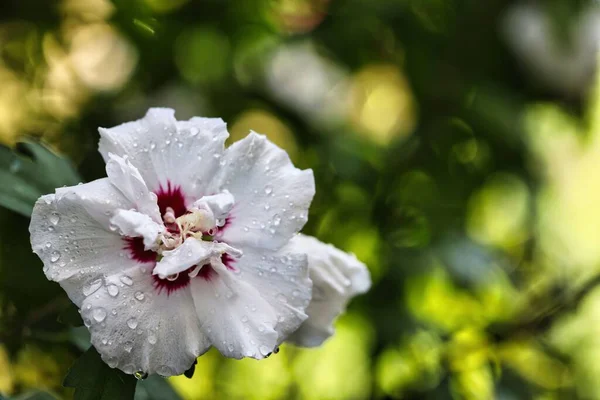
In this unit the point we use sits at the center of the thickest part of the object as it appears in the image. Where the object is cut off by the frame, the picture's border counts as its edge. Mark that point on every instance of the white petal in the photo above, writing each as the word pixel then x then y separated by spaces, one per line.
pixel 134 224
pixel 128 180
pixel 69 232
pixel 134 328
pixel 282 279
pixel 271 195
pixel 191 252
pixel 337 277
pixel 235 317
pixel 184 153
pixel 219 204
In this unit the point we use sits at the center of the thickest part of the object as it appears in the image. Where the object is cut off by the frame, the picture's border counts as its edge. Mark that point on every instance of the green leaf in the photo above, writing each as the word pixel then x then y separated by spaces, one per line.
pixel 70 316
pixel 155 388
pixel 30 171
pixel 94 380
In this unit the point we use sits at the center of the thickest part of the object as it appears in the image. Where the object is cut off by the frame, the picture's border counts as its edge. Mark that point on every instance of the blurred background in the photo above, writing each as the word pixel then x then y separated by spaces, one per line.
pixel 456 151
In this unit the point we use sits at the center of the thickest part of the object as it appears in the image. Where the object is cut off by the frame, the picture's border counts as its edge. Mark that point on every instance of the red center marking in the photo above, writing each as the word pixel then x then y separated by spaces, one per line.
pixel 171 196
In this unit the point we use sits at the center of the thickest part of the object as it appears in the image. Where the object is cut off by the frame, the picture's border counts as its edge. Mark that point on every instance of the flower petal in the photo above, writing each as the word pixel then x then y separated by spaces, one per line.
pixel 235 317
pixel 128 180
pixel 70 233
pixel 136 329
pixel 190 253
pixel 282 279
pixel 134 224
pixel 271 195
pixel 337 277
pixel 183 153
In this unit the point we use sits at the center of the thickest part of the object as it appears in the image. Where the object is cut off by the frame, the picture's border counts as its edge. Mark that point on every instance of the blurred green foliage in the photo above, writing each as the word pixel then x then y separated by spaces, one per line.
pixel 455 150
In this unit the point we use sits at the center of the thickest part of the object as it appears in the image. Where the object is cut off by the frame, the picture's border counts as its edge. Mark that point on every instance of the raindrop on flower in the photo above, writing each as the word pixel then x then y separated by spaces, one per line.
pixel 264 350
pixel 132 323
pixel 128 346
pixel 276 220
pixel 91 287
pixel 99 314
pixel 139 296
pixel 268 189
pixel 54 256
pixel 126 280
pixel 140 375
pixel 152 338
pixel 164 370
pixel 113 290
pixel 54 218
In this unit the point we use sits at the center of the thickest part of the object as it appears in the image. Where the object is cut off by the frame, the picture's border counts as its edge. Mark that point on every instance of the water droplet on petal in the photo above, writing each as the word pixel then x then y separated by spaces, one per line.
pixel 164 370
pixel 151 338
pixel 268 189
pixel 99 314
pixel 54 218
pixel 114 312
pixel 267 207
pixel 140 375
pixel 48 245
pixel 132 323
pixel 128 346
pixel 264 350
pixel 126 280
pixel 244 319
pixel 112 362
pixel 139 296
pixel 113 290
pixel 276 219
pixel 193 131
pixel 91 287
pixel 172 277
pixel 54 256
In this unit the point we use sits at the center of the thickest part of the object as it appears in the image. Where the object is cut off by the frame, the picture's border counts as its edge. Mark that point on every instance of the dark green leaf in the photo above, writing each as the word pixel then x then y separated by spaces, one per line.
pixel 155 388
pixel 94 380
pixel 70 316
pixel 30 171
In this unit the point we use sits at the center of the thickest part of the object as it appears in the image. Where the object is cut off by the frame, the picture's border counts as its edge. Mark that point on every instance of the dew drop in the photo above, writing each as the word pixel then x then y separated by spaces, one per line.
pixel 276 220
pixel 268 189
pixel 114 312
pixel 244 319
pixel 140 375
pixel 112 362
pixel 126 280
pixel 164 370
pixel 193 131
pixel 152 145
pixel 99 314
pixel 48 245
pixel 295 293
pixel 172 277
pixel 128 346
pixel 264 350
pixel 54 256
pixel 152 338
pixel 267 207
pixel 139 296
pixel 113 290
pixel 54 218
pixel 246 229
pixel 132 323
pixel 91 287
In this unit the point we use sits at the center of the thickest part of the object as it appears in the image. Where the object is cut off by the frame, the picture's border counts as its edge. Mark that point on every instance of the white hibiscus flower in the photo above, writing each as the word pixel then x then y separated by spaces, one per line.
pixel 185 245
